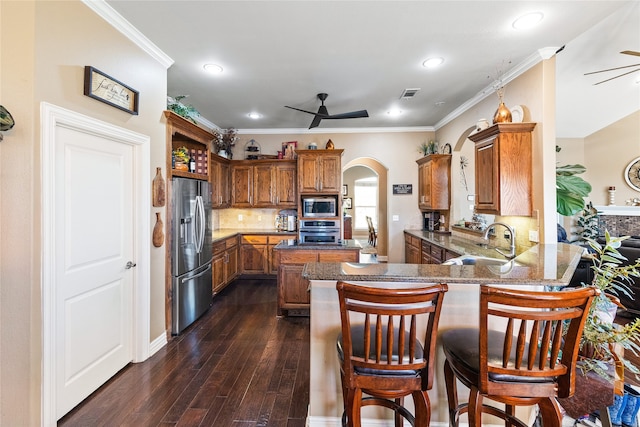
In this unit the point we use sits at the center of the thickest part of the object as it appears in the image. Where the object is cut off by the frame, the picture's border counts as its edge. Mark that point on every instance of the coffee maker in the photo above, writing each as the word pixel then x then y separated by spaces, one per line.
pixel 430 221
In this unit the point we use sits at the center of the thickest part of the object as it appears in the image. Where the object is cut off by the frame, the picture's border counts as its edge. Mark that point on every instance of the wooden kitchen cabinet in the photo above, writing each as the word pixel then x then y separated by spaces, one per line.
pixel 272 242
pixel 254 256
pixel 412 249
pixel 293 289
pixel 225 263
pixel 263 184
pixel 320 171
pixel 434 182
pixel 503 164
pixel 219 169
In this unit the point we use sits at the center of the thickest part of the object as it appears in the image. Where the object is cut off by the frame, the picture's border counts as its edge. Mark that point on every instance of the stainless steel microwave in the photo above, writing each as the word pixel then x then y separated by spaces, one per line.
pixel 319 207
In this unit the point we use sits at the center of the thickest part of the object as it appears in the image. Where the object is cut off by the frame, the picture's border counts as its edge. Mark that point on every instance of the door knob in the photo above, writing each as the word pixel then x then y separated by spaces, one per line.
pixel 130 265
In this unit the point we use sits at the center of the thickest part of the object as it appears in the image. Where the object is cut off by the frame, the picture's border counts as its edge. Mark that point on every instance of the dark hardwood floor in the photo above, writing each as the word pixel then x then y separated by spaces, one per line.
pixel 239 365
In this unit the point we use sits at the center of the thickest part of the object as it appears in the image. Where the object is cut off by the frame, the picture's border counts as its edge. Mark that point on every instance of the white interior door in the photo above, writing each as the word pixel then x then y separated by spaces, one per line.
pixel 91 246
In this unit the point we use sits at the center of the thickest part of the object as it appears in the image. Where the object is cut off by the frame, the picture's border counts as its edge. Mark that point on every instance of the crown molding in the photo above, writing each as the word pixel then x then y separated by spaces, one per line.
pixel 118 22
pixel 512 74
pixel 304 131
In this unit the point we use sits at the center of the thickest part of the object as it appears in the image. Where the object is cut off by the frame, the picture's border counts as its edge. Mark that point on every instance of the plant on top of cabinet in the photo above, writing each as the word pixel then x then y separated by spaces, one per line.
pixel 503 161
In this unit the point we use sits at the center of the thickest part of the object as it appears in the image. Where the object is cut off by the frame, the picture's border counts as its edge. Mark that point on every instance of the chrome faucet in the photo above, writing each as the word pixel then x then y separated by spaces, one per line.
pixel 512 239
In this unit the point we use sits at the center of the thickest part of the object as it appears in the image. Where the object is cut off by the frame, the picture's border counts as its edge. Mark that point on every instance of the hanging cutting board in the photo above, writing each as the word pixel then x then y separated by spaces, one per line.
pixel 158 231
pixel 158 189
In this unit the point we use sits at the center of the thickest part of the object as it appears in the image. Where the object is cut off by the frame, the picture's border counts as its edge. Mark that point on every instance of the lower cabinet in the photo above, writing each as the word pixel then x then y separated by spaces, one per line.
pixel 225 263
pixel 412 249
pixel 419 251
pixel 256 253
pixel 293 289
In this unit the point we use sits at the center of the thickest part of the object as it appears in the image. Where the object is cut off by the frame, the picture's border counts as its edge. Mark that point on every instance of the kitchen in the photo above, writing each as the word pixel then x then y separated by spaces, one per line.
pixel 22 348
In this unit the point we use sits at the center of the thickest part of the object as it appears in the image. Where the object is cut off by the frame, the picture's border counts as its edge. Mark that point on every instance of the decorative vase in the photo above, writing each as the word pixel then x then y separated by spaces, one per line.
pixel 502 115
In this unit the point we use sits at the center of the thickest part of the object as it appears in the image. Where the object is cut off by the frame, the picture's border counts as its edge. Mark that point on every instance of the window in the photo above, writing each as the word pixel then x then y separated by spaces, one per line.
pixel 365 196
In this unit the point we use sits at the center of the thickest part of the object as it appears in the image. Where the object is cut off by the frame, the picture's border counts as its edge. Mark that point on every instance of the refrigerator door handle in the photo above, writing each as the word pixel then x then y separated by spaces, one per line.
pixel 186 279
pixel 200 225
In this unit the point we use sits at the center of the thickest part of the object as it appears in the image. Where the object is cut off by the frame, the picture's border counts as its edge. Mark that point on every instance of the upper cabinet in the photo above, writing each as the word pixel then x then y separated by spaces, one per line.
pixel 319 171
pixel 183 133
pixel 219 169
pixel 434 182
pixel 503 162
pixel 263 184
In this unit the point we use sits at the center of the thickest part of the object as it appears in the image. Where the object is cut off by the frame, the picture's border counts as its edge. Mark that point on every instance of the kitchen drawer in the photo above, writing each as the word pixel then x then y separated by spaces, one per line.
pixel 436 253
pixel 297 256
pixel 414 241
pixel 274 240
pixel 338 256
pixel 218 248
pixel 229 243
pixel 249 239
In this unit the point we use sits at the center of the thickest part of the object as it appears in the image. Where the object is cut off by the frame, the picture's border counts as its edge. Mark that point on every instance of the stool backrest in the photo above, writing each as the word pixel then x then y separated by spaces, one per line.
pixel 541 339
pixel 386 322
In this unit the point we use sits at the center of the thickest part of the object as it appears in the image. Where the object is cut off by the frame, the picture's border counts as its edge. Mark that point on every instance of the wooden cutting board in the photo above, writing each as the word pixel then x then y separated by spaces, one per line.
pixel 158 189
pixel 158 231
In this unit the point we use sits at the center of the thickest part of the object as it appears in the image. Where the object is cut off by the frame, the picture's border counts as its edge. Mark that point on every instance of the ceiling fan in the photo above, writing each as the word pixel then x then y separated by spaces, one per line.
pixel 625 52
pixel 324 114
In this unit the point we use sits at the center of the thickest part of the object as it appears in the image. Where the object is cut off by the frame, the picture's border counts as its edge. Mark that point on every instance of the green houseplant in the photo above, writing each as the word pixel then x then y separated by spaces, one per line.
pixel 570 189
pixel 600 336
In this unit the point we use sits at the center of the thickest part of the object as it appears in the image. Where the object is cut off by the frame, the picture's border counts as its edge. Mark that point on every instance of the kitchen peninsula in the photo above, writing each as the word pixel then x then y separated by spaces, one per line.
pixel 542 265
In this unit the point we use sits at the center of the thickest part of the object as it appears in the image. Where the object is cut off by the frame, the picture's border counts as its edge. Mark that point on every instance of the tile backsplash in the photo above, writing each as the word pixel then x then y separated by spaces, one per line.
pixel 619 225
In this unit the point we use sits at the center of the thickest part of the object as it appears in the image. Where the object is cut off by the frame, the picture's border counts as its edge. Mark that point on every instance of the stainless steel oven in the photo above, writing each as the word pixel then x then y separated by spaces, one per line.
pixel 319 231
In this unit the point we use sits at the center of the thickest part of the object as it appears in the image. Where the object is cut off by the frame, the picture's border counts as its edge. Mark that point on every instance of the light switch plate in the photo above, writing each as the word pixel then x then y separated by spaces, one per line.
pixel 396 218
pixel 533 236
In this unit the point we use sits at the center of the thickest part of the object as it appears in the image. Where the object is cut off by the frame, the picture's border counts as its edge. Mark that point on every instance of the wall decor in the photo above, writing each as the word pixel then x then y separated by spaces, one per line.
pixel 158 231
pixel 345 190
pixel 632 174
pixel 158 189
pixel 347 203
pixel 6 120
pixel 100 86
pixel 402 188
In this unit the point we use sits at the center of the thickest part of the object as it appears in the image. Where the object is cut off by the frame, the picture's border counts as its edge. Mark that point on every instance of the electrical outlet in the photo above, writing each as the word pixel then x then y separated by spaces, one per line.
pixel 259 218
pixel 240 217
pixel 395 218
pixel 533 236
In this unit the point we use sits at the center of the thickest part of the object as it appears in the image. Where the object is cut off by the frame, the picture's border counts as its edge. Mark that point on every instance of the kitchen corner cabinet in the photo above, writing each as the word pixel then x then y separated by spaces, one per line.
pixel 259 184
pixel 412 249
pixel 257 255
pixel 503 162
pixel 225 263
pixel 319 171
pixel 219 169
pixel 293 289
pixel 434 182
pixel 182 133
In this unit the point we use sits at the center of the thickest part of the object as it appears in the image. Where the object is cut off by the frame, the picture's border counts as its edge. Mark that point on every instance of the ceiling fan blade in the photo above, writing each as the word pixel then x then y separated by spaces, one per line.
pixel 630 52
pixel 305 111
pixel 620 75
pixel 351 115
pixel 611 69
pixel 315 122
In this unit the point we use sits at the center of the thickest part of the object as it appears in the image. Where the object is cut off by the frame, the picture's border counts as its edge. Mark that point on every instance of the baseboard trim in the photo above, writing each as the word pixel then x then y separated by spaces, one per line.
pixel 157 344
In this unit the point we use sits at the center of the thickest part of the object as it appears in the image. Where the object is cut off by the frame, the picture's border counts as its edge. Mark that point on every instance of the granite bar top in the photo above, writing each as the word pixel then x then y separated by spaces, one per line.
pixel 543 264
pixel 294 244
pixel 224 233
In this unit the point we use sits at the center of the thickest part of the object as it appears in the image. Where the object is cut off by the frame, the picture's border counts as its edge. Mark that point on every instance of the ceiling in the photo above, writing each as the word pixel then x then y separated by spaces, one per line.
pixel 365 53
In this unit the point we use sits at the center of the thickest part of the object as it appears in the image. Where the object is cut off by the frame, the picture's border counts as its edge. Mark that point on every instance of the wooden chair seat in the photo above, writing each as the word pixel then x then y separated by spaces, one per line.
pixel 503 365
pixel 381 352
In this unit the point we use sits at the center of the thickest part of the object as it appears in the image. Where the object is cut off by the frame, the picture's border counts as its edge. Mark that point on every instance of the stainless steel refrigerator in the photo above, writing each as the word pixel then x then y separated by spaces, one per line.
pixel 191 251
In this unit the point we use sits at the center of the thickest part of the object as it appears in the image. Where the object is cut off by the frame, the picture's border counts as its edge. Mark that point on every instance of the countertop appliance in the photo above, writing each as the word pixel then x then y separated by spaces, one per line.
pixel 319 231
pixel 191 251
pixel 319 206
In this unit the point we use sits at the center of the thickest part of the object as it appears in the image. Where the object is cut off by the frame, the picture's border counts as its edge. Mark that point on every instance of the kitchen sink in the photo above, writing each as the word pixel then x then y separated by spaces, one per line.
pixel 494 264
pixel 483 245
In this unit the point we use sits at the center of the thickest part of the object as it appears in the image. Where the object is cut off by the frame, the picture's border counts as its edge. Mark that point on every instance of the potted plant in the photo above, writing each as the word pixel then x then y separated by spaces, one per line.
pixel 570 189
pixel 601 338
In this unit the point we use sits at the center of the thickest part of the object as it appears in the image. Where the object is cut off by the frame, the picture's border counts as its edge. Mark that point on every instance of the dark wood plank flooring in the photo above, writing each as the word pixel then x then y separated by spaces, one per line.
pixel 239 365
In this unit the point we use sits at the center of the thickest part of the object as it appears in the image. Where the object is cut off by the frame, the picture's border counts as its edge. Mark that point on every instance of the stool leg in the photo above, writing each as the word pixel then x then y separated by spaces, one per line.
pixel 423 408
pixel 550 412
pixel 475 408
pixel 354 400
pixel 452 393
pixel 399 419
pixel 511 410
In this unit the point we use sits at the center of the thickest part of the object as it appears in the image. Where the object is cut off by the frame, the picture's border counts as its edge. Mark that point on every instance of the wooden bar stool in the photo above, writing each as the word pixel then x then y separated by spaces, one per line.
pixel 380 352
pixel 505 368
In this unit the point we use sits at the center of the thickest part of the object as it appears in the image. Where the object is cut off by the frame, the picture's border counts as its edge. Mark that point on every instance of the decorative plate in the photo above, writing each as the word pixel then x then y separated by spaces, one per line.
pixel 632 174
pixel 517 114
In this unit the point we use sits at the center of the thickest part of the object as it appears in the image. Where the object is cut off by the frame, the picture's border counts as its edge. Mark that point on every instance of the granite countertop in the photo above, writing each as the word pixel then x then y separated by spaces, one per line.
pixel 542 264
pixel 293 244
pixel 224 233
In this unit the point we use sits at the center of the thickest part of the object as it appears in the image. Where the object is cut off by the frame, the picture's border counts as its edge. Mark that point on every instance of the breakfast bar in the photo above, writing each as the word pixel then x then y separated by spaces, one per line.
pixel 535 269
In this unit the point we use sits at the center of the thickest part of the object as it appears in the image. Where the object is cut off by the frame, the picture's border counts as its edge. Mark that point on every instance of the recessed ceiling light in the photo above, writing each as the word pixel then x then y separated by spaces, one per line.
pixel 394 112
pixel 528 21
pixel 213 68
pixel 432 62
pixel 254 116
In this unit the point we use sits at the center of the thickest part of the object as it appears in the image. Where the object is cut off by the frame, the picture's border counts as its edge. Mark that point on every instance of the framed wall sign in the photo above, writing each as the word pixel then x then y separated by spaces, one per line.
pixel 402 188
pixel 100 86
pixel 347 202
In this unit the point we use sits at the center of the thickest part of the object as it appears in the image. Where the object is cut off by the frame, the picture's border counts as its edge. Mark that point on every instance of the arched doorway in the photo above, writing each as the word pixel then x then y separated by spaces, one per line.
pixel 362 165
